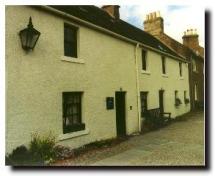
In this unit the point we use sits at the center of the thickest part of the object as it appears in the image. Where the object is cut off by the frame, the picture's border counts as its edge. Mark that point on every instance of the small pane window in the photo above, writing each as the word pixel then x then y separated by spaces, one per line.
pixel 70 41
pixel 163 65
pixel 72 112
pixel 144 60
pixel 180 68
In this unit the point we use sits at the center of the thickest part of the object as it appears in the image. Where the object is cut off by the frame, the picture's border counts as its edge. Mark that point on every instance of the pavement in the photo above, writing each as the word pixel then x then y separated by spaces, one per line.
pixel 179 144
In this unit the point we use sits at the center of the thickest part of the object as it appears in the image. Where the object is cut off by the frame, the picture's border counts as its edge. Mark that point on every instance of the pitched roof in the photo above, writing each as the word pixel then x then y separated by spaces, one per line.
pixel 179 48
pixel 102 19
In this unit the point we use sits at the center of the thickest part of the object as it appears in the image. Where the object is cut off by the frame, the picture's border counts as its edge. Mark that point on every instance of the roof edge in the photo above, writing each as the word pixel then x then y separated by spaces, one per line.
pixel 64 14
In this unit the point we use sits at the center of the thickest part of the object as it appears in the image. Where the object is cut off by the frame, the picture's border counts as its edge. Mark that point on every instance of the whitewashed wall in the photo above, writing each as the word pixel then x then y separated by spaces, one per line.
pixel 36 80
pixel 153 80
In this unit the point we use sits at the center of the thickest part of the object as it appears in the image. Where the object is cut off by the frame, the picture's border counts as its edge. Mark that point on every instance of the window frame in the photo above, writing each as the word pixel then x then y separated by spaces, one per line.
pixel 68 105
pixel 194 65
pixel 185 95
pixel 74 43
pixel 177 99
pixel 144 60
pixel 145 93
pixel 176 94
pixel 195 92
pixel 163 62
pixel 186 99
pixel 180 69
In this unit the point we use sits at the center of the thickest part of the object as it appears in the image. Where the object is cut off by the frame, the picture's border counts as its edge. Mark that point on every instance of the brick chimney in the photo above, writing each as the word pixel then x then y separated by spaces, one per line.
pixel 154 24
pixel 112 10
pixel 191 39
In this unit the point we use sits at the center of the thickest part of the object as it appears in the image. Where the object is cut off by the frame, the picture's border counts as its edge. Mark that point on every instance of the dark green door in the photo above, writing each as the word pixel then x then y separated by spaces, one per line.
pixel 120 113
pixel 161 106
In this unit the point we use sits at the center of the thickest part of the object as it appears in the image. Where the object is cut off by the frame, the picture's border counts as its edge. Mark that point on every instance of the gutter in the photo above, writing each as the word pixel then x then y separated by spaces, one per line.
pixel 66 15
pixel 137 86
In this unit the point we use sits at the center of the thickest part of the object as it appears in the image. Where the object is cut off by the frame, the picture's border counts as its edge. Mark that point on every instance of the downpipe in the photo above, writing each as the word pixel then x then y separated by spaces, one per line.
pixel 137 86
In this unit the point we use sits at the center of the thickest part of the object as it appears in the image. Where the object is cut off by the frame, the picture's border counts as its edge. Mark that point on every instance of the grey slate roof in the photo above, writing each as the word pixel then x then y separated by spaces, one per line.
pixel 99 17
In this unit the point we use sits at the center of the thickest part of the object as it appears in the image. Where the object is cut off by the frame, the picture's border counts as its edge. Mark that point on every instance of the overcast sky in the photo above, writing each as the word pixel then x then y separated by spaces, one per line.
pixel 177 18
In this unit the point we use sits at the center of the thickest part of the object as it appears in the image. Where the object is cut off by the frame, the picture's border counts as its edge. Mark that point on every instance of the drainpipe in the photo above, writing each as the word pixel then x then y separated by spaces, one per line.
pixel 137 86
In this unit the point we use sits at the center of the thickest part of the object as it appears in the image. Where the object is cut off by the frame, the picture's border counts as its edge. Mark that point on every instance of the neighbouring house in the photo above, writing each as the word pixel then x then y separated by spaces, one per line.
pixel 190 49
pixel 90 76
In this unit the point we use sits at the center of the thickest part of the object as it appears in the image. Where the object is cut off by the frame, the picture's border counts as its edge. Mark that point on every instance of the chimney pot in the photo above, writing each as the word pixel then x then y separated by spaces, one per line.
pixel 189 31
pixel 190 39
pixel 147 17
pixel 154 15
pixel 151 16
pixel 154 23
pixel 158 14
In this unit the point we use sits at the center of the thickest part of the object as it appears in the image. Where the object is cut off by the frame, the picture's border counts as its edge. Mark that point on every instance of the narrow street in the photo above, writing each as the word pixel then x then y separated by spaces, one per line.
pixel 179 144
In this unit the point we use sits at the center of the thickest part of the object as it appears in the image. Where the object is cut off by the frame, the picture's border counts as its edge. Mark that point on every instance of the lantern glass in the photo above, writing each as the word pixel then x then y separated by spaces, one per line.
pixel 23 38
pixel 29 36
pixel 33 39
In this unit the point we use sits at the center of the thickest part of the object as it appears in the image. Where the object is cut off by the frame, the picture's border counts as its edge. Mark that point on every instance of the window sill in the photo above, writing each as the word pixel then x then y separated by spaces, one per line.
pixel 73 134
pixel 145 72
pixel 165 75
pixel 72 59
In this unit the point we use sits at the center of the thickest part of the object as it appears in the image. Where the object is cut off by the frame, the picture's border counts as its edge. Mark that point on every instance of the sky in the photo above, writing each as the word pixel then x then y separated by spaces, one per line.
pixel 177 18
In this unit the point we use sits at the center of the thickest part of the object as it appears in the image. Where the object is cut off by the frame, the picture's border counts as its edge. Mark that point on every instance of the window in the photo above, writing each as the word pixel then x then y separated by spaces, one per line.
pixel 144 61
pixel 180 68
pixel 143 100
pixel 186 100
pixel 72 112
pixel 194 65
pixel 163 65
pixel 195 90
pixel 176 94
pixel 177 99
pixel 185 95
pixel 70 41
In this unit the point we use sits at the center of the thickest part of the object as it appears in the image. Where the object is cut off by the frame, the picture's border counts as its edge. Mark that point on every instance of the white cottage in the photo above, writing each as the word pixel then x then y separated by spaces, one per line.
pixel 89 76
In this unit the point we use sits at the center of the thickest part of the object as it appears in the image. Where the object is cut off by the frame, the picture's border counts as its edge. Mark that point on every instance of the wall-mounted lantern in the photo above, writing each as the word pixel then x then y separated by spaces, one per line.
pixel 29 36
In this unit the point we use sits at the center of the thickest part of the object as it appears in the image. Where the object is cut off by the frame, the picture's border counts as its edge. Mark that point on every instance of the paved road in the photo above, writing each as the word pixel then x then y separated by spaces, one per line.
pixel 179 144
